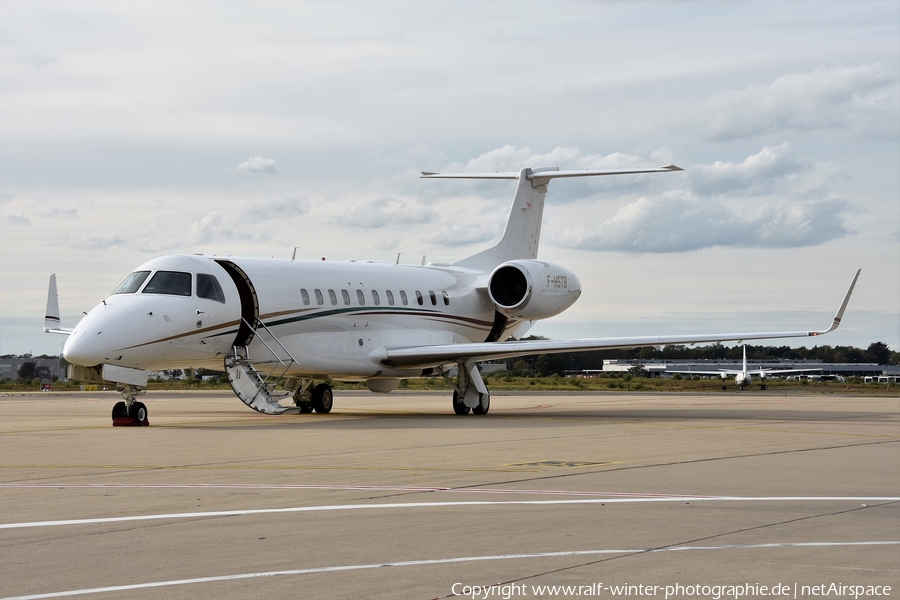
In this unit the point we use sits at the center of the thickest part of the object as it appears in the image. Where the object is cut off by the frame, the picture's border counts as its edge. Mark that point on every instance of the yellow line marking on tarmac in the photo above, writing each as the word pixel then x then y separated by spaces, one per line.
pixel 267 468
pixel 561 463
pixel 770 430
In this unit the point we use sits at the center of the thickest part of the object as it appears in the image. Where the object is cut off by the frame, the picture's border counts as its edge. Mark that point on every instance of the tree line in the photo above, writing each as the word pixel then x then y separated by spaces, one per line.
pixel 549 364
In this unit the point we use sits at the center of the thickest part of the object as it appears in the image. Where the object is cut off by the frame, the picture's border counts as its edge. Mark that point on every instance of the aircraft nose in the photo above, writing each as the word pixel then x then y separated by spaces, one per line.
pixel 86 348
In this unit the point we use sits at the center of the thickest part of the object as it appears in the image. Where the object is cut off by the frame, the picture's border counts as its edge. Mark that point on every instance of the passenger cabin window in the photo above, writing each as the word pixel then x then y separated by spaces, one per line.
pixel 132 283
pixel 360 297
pixel 319 299
pixel 446 298
pixel 333 297
pixel 419 298
pixel 403 298
pixel 346 296
pixel 170 283
pixel 304 295
pixel 208 287
pixel 390 297
pixel 375 298
pixel 433 298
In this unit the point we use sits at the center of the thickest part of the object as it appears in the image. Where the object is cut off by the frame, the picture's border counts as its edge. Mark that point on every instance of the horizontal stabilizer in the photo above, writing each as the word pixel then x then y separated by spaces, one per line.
pixel 546 173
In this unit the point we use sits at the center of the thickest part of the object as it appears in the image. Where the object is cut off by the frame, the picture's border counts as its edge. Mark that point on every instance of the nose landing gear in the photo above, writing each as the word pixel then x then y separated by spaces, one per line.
pixel 129 413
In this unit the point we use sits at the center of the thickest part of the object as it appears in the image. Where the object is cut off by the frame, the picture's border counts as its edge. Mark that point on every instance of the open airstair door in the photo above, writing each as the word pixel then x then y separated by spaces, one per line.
pixel 249 303
pixel 251 386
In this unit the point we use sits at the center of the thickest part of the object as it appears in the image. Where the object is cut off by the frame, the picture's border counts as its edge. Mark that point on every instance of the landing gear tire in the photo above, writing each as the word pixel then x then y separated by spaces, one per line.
pixel 139 413
pixel 119 413
pixel 323 398
pixel 305 407
pixel 458 406
pixel 484 405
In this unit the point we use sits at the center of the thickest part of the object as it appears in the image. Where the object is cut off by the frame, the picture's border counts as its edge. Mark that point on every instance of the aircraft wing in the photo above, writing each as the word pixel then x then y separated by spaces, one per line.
pixel 417 357
pixel 778 371
pixel 719 372
pixel 756 372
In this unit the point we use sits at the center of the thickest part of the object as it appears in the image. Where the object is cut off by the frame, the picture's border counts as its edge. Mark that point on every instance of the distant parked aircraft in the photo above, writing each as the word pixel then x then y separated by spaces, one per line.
pixel 743 376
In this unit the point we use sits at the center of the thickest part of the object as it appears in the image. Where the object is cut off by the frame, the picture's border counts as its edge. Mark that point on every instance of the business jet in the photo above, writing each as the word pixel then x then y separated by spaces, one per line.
pixel 282 329
pixel 742 377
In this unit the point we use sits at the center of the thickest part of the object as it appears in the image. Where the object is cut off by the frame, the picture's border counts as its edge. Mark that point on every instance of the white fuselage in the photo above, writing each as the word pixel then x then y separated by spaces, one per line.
pixel 331 319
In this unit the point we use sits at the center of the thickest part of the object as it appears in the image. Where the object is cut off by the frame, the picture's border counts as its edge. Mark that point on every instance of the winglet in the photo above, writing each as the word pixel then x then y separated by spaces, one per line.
pixel 840 312
pixel 51 316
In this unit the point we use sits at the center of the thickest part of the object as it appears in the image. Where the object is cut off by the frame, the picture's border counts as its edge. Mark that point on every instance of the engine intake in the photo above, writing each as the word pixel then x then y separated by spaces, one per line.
pixel 532 289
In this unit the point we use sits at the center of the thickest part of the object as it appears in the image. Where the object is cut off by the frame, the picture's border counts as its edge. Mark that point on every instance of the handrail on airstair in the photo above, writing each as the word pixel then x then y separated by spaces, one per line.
pixel 275 354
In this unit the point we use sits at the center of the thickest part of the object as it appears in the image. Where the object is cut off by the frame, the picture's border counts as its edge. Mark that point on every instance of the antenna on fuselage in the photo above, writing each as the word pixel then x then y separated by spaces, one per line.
pixel 398 258
pixel 294 255
pixel 423 260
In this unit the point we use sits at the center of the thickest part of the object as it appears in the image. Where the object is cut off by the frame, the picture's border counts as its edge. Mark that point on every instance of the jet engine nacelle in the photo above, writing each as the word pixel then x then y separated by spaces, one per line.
pixel 532 289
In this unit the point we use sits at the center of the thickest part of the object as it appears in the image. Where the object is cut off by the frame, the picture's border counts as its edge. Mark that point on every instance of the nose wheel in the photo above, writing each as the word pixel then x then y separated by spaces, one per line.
pixel 129 413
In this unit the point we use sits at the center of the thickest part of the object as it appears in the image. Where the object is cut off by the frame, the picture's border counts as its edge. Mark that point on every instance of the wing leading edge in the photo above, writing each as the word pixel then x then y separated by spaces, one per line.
pixel 433 356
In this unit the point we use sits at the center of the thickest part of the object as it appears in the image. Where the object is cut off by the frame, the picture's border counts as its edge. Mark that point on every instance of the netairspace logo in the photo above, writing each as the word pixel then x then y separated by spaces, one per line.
pixel 712 592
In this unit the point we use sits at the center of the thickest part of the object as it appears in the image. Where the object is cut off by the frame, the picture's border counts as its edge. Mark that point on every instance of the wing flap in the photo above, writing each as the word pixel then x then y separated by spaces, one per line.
pixel 433 356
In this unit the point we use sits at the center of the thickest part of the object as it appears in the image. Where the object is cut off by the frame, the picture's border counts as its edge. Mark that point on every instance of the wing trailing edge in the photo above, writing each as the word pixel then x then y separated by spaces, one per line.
pixel 433 356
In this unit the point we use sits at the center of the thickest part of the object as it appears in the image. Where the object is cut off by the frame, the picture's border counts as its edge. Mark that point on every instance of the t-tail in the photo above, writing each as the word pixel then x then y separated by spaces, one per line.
pixel 523 226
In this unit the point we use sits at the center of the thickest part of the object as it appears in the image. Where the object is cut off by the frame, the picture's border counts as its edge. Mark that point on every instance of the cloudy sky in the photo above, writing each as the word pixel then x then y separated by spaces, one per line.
pixel 130 130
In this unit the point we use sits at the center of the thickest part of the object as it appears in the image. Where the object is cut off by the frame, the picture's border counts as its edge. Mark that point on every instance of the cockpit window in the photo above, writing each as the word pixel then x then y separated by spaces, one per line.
pixel 172 283
pixel 132 283
pixel 208 287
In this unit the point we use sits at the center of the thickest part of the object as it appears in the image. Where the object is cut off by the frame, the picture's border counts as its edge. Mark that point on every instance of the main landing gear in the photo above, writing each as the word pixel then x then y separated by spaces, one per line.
pixel 129 413
pixel 310 398
pixel 469 391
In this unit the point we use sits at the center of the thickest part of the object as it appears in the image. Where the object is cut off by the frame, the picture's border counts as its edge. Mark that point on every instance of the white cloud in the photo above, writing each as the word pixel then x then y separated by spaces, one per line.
pixel 258 164
pixel 18 218
pixel 466 231
pixel 772 169
pixel 37 60
pixel 213 228
pixel 680 222
pixel 511 158
pixel 6 198
pixel 864 98
pixel 100 241
pixel 52 211
pixel 386 212
pixel 269 210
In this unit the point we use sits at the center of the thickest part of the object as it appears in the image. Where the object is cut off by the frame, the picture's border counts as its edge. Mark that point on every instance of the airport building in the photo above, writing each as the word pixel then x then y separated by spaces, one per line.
pixel 659 367
pixel 46 369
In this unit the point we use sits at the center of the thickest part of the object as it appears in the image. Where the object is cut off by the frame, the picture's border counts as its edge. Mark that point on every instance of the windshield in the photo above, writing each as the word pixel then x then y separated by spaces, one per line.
pixel 173 283
pixel 132 283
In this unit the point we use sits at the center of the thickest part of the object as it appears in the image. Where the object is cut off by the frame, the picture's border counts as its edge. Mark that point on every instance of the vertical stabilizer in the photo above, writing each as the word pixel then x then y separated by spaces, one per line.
pixel 745 360
pixel 523 226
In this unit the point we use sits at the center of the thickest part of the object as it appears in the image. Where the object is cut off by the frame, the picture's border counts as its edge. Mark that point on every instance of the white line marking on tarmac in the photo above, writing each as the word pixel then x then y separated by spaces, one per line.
pixel 407 505
pixel 376 488
pixel 437 561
